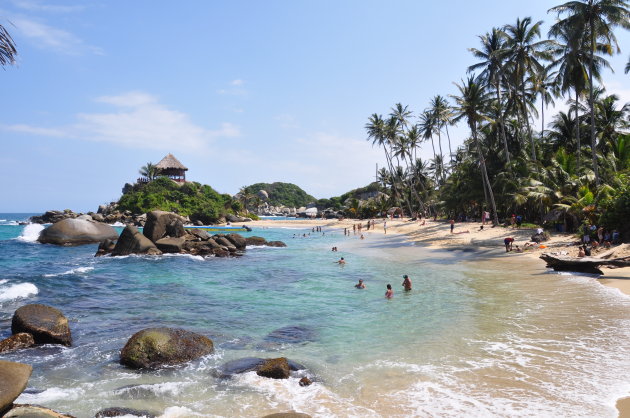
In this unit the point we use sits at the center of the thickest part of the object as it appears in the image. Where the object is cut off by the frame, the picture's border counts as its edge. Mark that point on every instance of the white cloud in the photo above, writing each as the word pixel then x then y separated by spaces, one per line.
pixel 38 6
pixel 235 89
pixel 139 122
pixel 237 82
pixel 49 37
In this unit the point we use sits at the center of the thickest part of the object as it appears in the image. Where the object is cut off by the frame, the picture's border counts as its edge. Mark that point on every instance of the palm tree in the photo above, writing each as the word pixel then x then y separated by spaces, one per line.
pixel 439 108
pixel 471 102
pixel 493 54
pixel 599 18
pixel 544 85
pixel 628 66
pixel 525 56
pixel 149 171
pixel 427 128
pixel 7 48
pixel 379 131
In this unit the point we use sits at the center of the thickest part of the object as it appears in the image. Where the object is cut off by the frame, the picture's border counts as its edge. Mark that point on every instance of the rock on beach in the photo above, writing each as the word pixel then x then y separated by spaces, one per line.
pixel 46 324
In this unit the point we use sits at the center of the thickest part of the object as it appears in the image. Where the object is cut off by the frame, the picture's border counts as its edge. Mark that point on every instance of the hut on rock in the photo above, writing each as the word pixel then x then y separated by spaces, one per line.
pixel 170 167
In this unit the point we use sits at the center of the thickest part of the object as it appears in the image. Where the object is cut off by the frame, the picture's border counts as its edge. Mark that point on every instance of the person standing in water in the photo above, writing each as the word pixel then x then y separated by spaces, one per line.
pixel 406 283
pixel 390 293
pixel 360 285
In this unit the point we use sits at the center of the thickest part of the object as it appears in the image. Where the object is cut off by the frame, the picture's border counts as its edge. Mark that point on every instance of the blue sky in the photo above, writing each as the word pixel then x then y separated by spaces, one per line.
pixel 240 91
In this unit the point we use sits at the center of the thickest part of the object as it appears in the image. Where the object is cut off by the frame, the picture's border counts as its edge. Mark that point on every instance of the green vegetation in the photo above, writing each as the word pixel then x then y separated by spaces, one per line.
pixel 199 202
pixel 280 194
pixel 576 165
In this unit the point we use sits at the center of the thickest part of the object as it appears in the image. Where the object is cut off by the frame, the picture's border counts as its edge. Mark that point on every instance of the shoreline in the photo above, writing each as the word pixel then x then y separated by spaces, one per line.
pixel 466 236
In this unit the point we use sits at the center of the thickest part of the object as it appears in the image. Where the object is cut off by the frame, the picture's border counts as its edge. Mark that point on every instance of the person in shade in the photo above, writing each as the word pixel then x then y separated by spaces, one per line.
pixel 508 244
pixel 360 285
pixel 390 293
pixel 406 283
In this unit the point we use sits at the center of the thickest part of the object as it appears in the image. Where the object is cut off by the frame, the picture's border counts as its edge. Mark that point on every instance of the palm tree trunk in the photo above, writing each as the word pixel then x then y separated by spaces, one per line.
pixel 485 175
pixel 577 130
pixel 542 123
pixel 435 171
pixel 505 144
pixel 529 126
pixel 449 144
pixel 441 156
pixel 590 86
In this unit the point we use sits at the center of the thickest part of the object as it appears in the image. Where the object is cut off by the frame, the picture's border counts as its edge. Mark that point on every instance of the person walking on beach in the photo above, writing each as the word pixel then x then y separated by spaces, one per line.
pixel 389 293
pixel 452 225
pixel 385 227
pixel 406 283
pixel 360 285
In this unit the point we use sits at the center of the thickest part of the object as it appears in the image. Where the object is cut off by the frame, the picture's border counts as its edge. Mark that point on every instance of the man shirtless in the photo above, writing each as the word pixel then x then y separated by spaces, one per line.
pixel 406 283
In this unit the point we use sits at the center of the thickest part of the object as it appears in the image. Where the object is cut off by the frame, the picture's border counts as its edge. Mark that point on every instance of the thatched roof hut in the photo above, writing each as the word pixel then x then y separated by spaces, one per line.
pixel 172 168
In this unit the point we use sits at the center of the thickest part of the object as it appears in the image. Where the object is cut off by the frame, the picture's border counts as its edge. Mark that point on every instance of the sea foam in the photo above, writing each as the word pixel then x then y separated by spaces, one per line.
pixel 31 232
pixel 16 291
pixel 78 270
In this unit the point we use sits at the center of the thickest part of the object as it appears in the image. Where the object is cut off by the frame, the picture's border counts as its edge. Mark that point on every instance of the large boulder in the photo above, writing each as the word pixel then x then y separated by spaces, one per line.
pixel 224 242
pixel 77 232
pixel 248 364
pixel 160 223
pixel 34 411
pixel 13 380
pixel 123 412
pixel 46 324
pixel 274 368
pixel 170 245
pixel 16 342
pixel 155 347
pixel 238 241
pixel 255 241
pixel 276 244
pixel 131 241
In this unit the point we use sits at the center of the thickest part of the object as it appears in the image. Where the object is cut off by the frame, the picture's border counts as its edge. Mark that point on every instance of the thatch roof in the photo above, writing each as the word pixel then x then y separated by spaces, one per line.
pixel 170 162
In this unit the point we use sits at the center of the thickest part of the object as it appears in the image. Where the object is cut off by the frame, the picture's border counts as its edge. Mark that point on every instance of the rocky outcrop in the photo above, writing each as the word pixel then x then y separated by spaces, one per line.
pixel 46 324
pixel 13 380
pixel 275 244
pixel 258 241
pixel 34 411
pixel 237 240
pixel 77 232
pixel 170 244
pixel 160 224
pixel 131 241
pixel 120 412
pixel 15 342
pixel 249 364
pixel 235 218
pixel 305 381
pixel 275 368
pixel 156 347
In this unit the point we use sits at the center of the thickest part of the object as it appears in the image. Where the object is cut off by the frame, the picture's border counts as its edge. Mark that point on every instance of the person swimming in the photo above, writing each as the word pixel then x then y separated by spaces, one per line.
pixel 390 293
pixel 406 283
pixel 360 285
pixel 341 261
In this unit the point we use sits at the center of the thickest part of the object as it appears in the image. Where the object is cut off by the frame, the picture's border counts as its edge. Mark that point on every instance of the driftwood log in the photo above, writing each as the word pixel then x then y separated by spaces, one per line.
pixel 583 264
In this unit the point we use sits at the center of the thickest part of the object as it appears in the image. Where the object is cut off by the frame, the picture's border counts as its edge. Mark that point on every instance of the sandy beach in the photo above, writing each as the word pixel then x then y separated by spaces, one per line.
pixel 466 235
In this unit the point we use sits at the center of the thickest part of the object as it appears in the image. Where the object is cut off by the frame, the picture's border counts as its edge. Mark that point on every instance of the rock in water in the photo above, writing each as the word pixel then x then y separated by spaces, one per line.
pixel 248 364
pixel 46 324
pixel 119 412
pixel 291 334
pixel 131 241
pixel 13 380
pixel 276 244
pixel 275 368
pixel 305 381
pixel 77 232
pixel 255 240
pixel 238 241
pixel 155 347
pixel 16 342
pixel 157 223
pixel 34 411
pixel 290 414
pixel 170 245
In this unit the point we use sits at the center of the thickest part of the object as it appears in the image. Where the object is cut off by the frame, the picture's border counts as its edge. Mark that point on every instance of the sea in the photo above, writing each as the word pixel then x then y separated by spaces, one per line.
pixel 480 335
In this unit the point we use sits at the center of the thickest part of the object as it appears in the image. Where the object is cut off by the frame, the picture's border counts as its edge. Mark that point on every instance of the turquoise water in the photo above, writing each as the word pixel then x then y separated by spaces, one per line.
pixel 474 337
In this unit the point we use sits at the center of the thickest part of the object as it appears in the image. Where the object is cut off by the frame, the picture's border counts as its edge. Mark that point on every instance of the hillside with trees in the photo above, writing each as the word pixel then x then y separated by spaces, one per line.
pixel 280 194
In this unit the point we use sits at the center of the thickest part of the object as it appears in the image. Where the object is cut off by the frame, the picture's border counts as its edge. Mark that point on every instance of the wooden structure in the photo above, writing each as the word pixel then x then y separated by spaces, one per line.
pixel 170 167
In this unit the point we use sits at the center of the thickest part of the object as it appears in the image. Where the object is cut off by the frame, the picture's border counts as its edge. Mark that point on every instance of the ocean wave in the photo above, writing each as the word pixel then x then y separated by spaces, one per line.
pixel 152 390
pixel 16 291
pixel 179 412
pixel 31 233
pixel 50 395
pixel 193 257
pixel 78 270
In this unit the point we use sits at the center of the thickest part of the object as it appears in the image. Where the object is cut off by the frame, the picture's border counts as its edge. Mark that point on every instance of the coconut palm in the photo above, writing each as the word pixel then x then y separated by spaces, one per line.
pixel 427 129
pixel 439 108
pixel 470 104
pixel 599 18
pixel 545 86
pixel 493 54
pixel 150 171
pixel 7 48
pixel 628 66
pixel 526 55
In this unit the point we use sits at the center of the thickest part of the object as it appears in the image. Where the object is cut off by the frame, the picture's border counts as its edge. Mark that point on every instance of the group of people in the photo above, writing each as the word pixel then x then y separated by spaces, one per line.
pixel 389 293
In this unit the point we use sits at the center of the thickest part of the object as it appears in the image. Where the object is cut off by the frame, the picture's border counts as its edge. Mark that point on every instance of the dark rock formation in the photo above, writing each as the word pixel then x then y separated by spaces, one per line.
pixel 237 240
pixel 156 347
pixel 305 381
pixel 274 368
pixel 119 412
pixel 255 241
pixel 248 364
pixel 131 241
pixel 538 238
pixel 170 244
pixel 13 380
pixel 583 264
pixel 105 247
pixel 291 334
pixel 224 242
pixel 16 342
pixel 77 232
pixel 34 411
pixel 46 324
pixel 276 244
pixel 290 414
pixel 157 223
